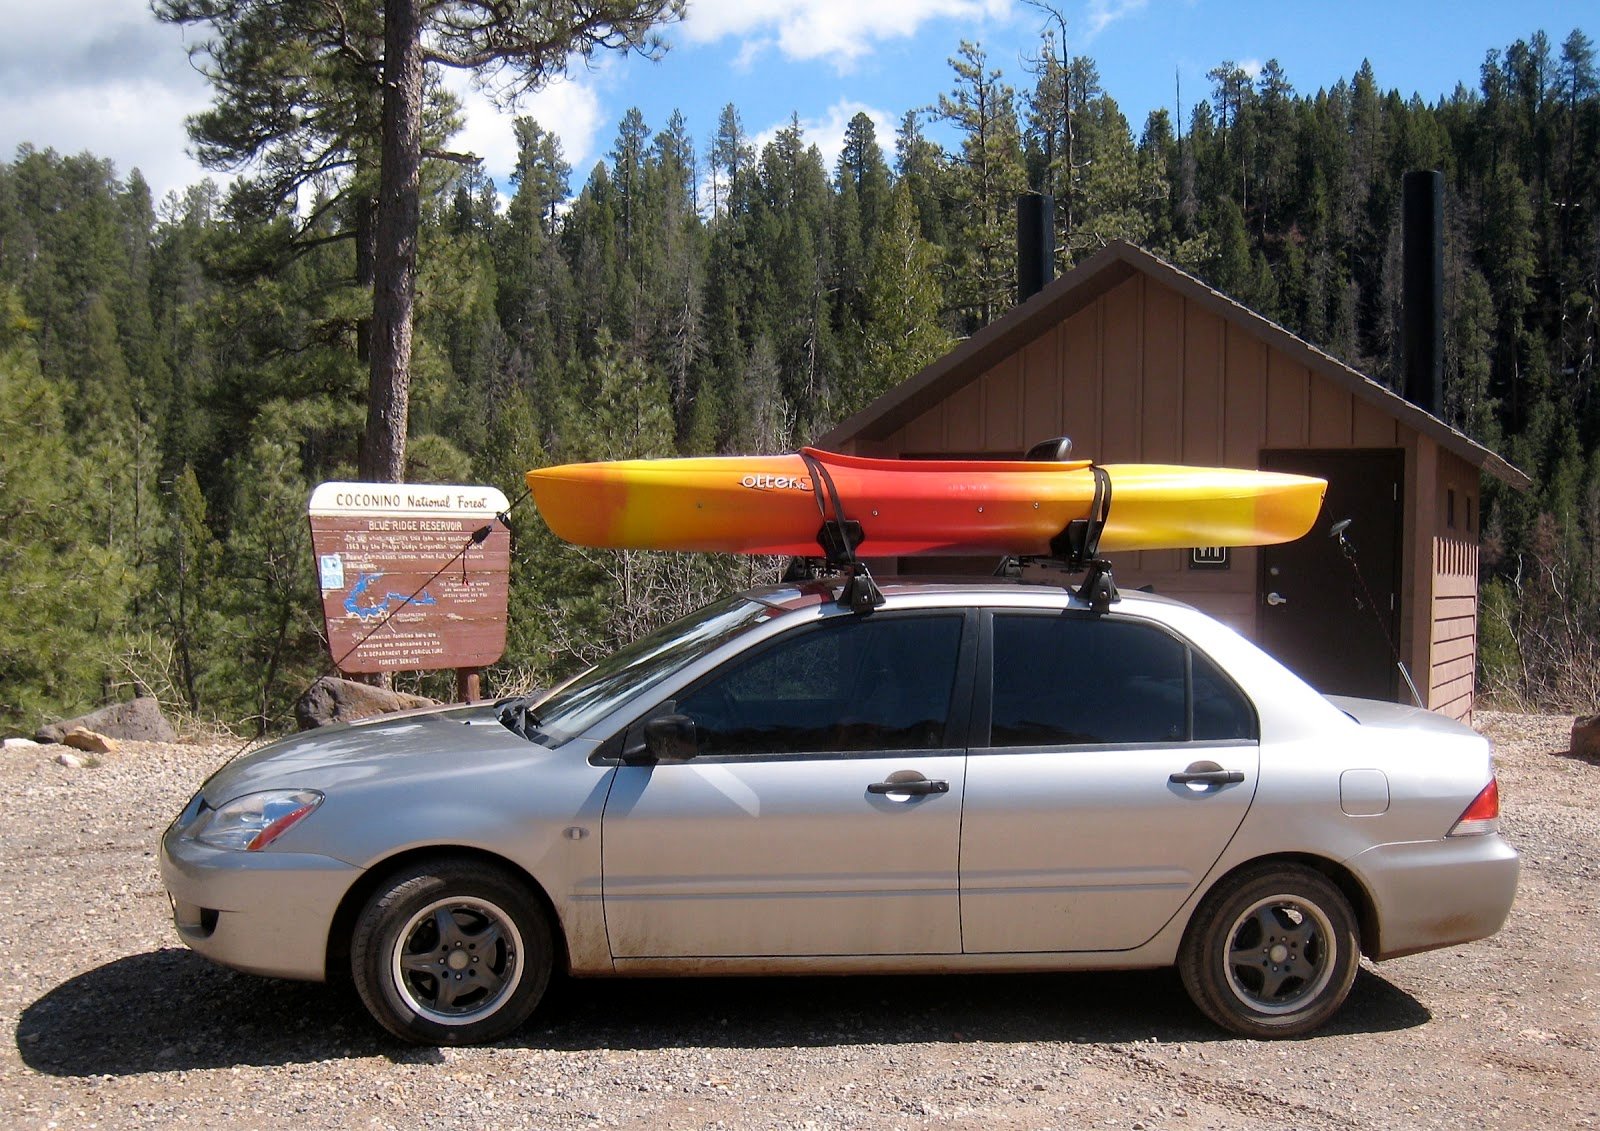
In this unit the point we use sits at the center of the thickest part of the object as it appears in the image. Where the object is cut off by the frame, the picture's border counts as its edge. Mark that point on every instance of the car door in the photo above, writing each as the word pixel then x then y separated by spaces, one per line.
pixel 821 812
pixel 1076 835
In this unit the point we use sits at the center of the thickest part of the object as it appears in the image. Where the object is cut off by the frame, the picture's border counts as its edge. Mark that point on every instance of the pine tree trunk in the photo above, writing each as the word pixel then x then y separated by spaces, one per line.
pixel 394 289
pixel 366 210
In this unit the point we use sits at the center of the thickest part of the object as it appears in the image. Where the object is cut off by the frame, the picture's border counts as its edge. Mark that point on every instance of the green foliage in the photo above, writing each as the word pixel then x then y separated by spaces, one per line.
pixel 986 178
pixel 267 590
pixel 903 331
pixel 64 593
pixel 177 374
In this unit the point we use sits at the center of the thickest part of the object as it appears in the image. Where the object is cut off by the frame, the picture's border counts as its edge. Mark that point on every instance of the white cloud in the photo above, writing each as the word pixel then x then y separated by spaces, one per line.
pixel 101 76
pixel 1251 67
pixel 66 42
pixel 837 30
pixel 136 124
pixel 827 132
pixel 568 108
pixel 1103 13
pixel 105 76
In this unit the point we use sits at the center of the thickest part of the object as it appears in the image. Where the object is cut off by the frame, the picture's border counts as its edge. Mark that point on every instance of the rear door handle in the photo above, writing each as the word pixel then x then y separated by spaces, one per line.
pixel 917 788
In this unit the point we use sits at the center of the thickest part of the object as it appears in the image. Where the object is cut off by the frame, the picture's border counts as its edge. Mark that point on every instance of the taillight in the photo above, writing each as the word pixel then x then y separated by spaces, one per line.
pixel 1483 815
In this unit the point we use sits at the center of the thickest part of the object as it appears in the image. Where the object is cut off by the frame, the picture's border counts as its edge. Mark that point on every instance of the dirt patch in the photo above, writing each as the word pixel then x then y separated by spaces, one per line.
pixel 114 1024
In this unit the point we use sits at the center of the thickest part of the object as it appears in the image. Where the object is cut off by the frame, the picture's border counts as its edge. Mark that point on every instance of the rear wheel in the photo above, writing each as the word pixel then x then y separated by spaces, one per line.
pixel 451 952
pixel 1271 952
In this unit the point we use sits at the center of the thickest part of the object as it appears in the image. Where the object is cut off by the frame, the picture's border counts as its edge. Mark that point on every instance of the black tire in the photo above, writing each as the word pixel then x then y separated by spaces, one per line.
pixel 1271 952
pixel 451 952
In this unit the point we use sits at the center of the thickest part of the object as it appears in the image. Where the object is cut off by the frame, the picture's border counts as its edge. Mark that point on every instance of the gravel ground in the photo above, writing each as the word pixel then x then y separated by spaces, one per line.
pixel 115 1025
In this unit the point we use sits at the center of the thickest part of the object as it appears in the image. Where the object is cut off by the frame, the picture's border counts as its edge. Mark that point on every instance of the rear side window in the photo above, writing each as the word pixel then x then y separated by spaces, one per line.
pixel 1220 709
pixel 854 684
pixel 1078 681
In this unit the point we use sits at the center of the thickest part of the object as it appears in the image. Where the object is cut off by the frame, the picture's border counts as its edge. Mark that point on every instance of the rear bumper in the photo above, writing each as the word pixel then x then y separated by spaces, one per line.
pixel 259 912
pixel 1431 894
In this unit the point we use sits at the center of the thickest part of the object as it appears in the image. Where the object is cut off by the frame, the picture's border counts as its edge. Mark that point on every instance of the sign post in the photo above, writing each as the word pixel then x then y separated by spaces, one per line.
pixel 405 585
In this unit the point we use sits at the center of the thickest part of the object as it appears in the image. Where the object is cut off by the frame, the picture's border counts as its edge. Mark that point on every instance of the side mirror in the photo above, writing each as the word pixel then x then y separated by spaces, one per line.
pixel 670 738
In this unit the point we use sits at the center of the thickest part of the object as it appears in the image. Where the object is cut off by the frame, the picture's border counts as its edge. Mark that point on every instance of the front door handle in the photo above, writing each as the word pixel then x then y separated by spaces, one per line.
pixel 919 787
pixel 1200 775
pixel 1277 599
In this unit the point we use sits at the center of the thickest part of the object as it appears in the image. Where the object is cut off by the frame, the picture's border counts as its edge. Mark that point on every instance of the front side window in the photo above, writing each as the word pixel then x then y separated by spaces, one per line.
pixel 852 684
pixel 581 701
pixel 1069 680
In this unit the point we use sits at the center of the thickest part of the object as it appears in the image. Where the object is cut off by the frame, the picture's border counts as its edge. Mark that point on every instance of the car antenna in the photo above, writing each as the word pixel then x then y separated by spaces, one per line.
pixel 1337 533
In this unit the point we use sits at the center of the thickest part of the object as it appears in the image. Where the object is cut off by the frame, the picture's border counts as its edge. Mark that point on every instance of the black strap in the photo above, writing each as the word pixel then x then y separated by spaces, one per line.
pixel 1099 511
pixel 1078 544
pixel 838 536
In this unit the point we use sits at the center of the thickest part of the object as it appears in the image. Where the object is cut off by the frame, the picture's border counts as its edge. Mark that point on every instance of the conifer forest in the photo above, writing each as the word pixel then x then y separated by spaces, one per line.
pixel 177 374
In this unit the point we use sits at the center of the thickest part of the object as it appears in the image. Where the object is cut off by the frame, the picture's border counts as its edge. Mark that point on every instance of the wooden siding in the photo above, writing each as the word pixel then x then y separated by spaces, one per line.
pixel 1147 374
pixel 1454 566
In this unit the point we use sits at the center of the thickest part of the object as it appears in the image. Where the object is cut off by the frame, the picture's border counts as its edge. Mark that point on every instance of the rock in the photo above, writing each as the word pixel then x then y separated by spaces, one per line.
pixel 136 720
pixel 331 700
pixel 19 744
pixel 90 742
pixel 70 761
pixel 1586 737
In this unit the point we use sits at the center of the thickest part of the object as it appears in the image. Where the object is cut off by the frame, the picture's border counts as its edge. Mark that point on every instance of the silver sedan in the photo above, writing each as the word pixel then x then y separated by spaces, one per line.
pixel 973 777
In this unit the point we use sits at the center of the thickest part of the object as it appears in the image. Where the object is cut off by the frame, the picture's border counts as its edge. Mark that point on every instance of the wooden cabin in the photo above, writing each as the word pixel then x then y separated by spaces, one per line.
pixel 1137 361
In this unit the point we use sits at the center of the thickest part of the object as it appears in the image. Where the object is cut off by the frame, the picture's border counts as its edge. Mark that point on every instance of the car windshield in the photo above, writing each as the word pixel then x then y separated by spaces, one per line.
pixel 576 705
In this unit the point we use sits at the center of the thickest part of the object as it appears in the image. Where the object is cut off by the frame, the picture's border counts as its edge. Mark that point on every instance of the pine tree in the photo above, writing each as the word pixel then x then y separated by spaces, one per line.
pixel 334 68
pixel 922 166
pixel 63 592
pixel 988 177
pixel 730 157
pixel 903 332
pixel 186 595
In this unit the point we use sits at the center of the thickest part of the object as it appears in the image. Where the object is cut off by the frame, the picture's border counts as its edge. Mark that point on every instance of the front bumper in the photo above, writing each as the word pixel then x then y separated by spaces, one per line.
pixel 1438 893
pixel 260 912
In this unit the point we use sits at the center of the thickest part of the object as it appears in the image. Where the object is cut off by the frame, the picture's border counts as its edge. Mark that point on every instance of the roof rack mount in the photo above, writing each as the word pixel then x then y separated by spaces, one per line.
pixel 839 536
pixel 1075 549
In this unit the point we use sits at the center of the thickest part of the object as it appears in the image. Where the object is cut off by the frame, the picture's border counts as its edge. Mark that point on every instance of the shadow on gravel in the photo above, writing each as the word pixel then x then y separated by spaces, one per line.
pixel 1087 1008
pixel 172 1011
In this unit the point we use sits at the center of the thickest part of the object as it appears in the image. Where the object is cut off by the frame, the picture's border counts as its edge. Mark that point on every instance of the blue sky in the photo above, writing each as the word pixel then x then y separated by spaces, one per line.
pixel 104 76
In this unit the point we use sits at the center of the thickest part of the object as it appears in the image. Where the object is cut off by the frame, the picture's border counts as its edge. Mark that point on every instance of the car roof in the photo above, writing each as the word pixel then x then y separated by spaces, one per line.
pixel 1041 589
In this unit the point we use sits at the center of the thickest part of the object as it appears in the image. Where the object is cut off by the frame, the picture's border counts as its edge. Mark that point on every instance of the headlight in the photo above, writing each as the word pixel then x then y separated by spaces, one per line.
pixel 252 822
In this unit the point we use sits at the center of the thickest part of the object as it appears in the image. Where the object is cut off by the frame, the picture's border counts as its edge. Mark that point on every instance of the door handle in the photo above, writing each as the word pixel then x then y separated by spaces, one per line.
pixel 918 788
pixel 1277 599
pixel 1218 776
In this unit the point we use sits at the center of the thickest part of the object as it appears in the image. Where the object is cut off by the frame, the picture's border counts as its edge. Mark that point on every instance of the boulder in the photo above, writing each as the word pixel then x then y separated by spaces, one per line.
pixel 331 700
pixel 137 720
pixel 19 744
pixel 69 760
pixel 1586 737
pixel 90 742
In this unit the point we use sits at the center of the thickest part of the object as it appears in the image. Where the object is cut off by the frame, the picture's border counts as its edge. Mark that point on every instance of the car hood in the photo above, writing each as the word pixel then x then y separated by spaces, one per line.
pixel 1397 716
pixel 409 744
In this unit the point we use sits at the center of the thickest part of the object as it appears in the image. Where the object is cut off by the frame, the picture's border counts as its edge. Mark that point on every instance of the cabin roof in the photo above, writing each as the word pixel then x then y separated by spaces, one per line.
pixel 1072 292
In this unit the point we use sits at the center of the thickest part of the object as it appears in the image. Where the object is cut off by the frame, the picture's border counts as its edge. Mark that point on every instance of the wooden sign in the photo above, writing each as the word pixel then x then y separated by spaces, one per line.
pixel 404 586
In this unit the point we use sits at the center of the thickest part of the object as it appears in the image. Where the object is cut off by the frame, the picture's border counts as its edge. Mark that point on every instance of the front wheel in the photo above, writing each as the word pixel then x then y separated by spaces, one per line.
pixel 452 952
pixel 1271 952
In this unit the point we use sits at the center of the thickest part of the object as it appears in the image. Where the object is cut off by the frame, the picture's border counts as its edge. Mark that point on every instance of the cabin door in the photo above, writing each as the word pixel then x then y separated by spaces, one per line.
pixel 1315 615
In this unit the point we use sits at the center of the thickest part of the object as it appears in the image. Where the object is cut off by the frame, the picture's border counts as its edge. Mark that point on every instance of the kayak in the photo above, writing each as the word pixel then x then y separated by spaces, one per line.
pixel 769 504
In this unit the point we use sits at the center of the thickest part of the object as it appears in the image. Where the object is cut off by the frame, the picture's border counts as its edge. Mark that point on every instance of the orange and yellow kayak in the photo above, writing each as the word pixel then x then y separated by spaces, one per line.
pixel 768 505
